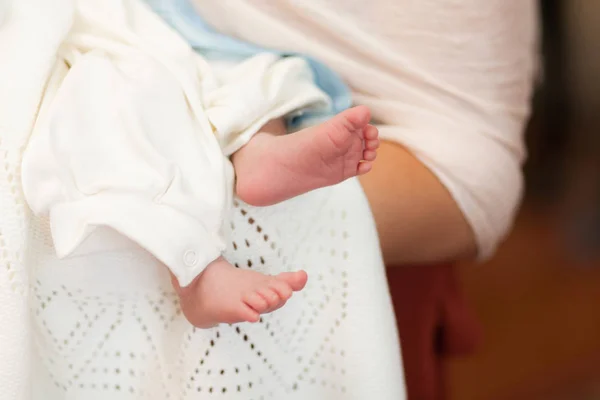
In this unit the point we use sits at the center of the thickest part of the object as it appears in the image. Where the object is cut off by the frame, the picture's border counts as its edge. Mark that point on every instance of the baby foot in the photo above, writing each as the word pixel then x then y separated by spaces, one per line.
pixel 271 168
pixel 223 293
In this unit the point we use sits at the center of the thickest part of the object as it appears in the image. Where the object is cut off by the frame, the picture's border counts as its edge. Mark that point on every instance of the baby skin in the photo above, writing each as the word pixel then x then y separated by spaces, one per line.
pixel 271 168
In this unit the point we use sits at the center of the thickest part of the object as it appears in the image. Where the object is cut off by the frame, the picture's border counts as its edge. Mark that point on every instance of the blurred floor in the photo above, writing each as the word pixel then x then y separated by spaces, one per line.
pixel 540 312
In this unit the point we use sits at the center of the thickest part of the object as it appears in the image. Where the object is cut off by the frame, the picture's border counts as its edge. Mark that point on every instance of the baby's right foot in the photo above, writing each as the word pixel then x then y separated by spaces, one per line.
pixel 223 293
pixel 272 168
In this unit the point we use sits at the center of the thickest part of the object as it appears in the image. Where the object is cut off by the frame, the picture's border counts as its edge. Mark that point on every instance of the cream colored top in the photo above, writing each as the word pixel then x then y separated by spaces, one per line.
pixel 450 80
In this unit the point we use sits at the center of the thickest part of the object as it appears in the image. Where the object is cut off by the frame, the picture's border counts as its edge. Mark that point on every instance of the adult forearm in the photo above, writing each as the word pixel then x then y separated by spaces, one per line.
pixel 417 219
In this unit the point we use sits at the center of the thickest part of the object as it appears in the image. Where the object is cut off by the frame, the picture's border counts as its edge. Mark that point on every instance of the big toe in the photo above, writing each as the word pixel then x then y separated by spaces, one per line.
pixel 358 117
pixel 245 313
pixel 296 280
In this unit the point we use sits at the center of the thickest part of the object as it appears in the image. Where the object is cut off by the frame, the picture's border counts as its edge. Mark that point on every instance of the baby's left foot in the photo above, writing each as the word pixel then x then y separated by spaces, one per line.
pixel 271 168
pixel 223 293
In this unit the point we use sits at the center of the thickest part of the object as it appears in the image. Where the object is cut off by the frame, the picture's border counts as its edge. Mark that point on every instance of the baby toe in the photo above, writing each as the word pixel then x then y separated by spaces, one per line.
pixel 369 155
pixel 248 314
pixel 270 297
pixel 283 289
pixel 372 144
pixel 364 167
pixel 370 132
pixel 256 301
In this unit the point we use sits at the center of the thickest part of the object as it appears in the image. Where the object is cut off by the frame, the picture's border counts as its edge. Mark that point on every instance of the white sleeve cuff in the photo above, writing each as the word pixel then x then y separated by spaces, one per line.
pixel 178 240
pixel 257 90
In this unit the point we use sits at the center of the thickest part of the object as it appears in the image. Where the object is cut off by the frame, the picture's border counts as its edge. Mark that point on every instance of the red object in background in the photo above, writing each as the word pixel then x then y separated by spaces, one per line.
pixel 434 322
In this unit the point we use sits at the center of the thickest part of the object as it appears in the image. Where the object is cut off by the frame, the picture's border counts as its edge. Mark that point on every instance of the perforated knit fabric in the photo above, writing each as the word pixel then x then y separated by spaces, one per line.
pixel 109 326
pixel 15 325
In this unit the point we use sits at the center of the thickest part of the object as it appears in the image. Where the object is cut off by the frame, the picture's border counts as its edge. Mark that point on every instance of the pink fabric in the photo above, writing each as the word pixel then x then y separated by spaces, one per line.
pixel 434 323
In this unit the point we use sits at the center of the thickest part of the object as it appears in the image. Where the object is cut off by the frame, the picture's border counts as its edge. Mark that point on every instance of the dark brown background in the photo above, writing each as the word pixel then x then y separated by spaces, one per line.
pixel 538 300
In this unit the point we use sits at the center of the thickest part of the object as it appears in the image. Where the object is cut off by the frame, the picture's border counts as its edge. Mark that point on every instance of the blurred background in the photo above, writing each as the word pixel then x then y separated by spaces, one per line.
pixel 538 301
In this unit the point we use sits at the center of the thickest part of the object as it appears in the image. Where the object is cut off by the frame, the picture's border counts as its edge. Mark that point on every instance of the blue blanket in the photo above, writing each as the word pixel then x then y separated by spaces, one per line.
pixel 182 17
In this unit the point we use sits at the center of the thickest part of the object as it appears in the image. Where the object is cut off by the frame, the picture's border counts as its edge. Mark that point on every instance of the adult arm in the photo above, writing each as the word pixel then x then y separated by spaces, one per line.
pixel 417 218
pixel 447 183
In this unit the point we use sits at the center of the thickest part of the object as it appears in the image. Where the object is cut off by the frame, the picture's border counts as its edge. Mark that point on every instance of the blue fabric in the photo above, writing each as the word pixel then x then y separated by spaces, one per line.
pixel 182 17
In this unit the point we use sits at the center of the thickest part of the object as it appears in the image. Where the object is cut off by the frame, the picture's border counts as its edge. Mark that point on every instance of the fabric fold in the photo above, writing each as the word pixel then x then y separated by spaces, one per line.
pixel 254 91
